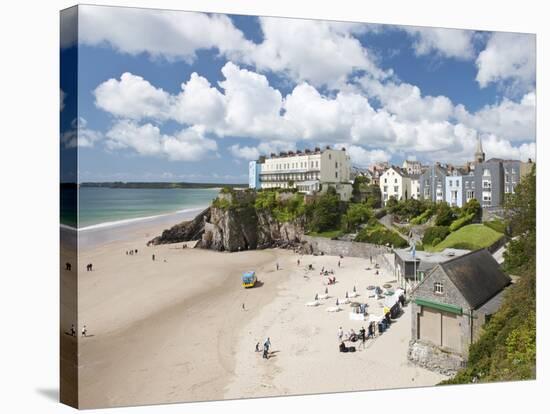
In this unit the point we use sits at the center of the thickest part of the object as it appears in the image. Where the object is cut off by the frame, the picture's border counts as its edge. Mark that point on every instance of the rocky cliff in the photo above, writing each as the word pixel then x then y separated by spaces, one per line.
pixel 235 226
pixel 185 231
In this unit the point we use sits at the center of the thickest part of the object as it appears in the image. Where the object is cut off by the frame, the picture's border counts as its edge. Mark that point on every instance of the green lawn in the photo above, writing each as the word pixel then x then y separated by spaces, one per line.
pixel 470 237
pixel 328 234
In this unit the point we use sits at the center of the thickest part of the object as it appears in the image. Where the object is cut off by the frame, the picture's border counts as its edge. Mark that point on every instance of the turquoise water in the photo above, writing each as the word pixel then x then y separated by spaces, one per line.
pixel 98 206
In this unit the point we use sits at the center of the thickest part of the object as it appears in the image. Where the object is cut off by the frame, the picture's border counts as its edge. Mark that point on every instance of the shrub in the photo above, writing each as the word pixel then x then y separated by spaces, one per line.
pixel 433 233
pixel 380 235
pixel 380 213
pixel 325 212
pixel 436 241
pixel 461 222
pixel 356 214
pixel 496 225
pixel 472 207
pixel 422 218
pixel 445 215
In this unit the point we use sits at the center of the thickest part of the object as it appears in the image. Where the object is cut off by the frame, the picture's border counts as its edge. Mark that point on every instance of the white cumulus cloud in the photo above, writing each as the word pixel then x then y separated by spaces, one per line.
pixel 189 144
pixel 509 60
pixel 449 43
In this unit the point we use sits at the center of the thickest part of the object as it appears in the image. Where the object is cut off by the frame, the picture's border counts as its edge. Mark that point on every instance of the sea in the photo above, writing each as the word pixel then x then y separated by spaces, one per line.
pixel 100 207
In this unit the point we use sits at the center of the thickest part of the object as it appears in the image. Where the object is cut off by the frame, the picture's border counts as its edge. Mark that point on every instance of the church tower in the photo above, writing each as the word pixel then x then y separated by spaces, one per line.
pixel 479 156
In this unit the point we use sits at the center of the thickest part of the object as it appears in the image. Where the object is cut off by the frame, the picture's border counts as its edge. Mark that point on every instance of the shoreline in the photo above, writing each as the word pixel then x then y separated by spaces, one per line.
pixel 127 229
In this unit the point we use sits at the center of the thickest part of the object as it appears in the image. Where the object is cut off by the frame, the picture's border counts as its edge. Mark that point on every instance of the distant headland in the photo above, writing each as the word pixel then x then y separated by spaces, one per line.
pixel 160 185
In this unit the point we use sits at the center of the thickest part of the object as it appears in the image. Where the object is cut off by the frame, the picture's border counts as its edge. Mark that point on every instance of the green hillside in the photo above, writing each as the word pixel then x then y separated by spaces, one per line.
pixel 471 237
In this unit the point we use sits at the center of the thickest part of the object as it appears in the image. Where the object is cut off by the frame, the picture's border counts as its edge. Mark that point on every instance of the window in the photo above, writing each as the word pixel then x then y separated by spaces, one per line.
pixel 396 189
pixel 457 183
pixel 469 195
pixel 486 172
pixel 329 156
pixel 336 164
pixel 336 174
pixel 385 181
pixel 385 188
pixel 438 288
pixel 395 181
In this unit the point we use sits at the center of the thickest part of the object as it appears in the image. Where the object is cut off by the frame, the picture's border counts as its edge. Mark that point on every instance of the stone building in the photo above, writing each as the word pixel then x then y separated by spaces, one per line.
pixel 411 269
pixel 450 306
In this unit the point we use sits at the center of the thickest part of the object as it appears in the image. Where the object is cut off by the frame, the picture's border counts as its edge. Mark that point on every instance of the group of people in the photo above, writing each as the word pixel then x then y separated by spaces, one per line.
pixel 131 252
pixel 89 267
pixel 267 345
pixel 352 336
pixel 72 332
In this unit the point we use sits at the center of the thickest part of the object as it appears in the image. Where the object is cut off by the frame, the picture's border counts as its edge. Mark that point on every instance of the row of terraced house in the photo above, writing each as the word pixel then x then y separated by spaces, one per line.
pixel 488 181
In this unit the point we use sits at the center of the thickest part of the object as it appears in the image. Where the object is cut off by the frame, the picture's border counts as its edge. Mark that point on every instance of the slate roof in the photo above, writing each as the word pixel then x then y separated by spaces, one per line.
pixel 477 275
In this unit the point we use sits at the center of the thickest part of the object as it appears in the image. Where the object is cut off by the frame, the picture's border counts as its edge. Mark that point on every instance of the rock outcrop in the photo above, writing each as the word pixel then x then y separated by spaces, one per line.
pixel 186 231
pixel 235 225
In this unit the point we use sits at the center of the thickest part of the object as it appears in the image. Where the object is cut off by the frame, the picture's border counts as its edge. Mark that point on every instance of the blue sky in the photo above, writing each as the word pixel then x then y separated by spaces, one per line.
pixel 252 86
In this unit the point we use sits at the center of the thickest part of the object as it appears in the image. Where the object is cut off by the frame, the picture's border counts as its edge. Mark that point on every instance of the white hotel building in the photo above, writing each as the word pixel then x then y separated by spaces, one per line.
pixel 308 171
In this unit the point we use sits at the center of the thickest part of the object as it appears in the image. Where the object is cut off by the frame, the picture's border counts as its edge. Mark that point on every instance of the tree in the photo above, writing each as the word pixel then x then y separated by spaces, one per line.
pixel 356 214
pixel 472 207
pixel 391 204
pixel 444 215
pixel 374 196
pixel 325 212
pixel 360 185
pixel 521 213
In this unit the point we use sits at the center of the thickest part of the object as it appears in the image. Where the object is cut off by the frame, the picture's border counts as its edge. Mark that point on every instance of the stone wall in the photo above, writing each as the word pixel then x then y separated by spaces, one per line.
pixel 318 245
pixel 434 359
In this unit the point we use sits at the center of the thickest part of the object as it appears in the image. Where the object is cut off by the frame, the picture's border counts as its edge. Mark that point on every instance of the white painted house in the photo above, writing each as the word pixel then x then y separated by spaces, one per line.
pixel 394 182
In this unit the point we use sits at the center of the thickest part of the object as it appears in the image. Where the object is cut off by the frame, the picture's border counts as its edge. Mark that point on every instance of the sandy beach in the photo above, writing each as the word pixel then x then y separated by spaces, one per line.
pixel 173 329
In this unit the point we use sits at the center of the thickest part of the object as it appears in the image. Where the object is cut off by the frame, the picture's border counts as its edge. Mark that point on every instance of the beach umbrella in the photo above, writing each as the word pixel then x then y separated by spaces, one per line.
pixel 347 295
pixel 337 303
pixel 326 291
pixel 355 304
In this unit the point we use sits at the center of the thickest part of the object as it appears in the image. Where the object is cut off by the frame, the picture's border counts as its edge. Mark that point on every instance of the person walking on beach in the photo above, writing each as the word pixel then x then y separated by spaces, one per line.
pixel 68 266
pixel 298 261
pixel 244 307
pixel 362 336
pixel 277 264
pixel 257 347
pixel 73 330
pixel 153 258
pixel 340 334
pixel 338 263
pixel 136 251
pixel 84 331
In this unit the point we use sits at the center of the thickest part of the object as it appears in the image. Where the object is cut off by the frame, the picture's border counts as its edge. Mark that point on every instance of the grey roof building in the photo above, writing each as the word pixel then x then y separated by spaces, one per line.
pixel 432 183
pixel 423 262
pixel 452 303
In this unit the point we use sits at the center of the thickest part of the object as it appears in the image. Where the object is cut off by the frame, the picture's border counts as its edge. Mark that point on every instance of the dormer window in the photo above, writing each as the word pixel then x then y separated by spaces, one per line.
pixel 438 288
